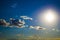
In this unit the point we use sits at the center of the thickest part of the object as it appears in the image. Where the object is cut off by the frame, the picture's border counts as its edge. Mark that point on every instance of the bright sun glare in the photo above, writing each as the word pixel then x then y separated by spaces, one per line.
pixel 49 16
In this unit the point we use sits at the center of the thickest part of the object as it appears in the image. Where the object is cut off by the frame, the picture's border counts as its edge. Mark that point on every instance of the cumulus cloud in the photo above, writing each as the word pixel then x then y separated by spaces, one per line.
pixel 26 17
pixel 3 22
pixel 13 22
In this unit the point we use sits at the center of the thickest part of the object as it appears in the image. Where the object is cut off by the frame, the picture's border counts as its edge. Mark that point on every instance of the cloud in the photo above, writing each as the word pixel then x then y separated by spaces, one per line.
pixel 37 28
pixel 44 28
pixel 3 22
pixel 55 30
pixel 26 17
pixel 19 23
pixel 13 22
pixel 58 30
pixel 31 27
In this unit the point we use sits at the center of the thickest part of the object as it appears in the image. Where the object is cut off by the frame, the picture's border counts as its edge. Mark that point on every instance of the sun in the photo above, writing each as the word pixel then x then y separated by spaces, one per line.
pixel 48 16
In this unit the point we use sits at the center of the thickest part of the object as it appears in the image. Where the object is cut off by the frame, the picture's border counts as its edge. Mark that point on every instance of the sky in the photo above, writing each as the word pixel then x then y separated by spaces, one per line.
pixel 17 8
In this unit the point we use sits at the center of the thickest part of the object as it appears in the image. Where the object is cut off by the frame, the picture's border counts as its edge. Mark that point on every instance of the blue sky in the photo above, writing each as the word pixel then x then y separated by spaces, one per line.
pixel 17 8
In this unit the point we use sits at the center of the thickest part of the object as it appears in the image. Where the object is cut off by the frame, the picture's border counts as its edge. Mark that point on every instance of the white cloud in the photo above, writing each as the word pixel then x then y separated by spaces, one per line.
pixel 53 29
pixel 26 17
pixel 31 27
pixel 4 23
pixel 44 28
pixel 19 24
pixel 37 28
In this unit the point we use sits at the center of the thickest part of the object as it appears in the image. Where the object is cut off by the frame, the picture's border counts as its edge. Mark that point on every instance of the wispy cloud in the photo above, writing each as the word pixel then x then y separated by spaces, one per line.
pixel 26 17
pixel 37 27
